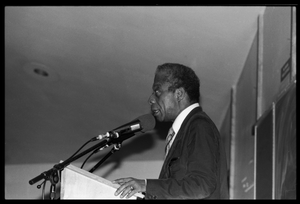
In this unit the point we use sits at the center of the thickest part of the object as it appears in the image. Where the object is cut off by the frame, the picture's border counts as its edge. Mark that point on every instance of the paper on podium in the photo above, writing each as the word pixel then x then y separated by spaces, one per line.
pixel 77 183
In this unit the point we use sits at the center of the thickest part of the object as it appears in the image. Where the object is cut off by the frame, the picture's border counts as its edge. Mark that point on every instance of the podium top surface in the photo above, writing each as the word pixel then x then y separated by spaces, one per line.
pixel 81 184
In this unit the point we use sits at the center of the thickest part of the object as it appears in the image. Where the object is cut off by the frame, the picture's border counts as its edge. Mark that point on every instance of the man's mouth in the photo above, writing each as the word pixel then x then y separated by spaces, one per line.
pixel 155 112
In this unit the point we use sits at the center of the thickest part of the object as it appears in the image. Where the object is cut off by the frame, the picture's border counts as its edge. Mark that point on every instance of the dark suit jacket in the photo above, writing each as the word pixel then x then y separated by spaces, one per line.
pixel 195 167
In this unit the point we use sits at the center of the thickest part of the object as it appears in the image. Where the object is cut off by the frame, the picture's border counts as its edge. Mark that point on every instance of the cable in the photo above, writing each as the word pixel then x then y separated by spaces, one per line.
pixel 81 147
pixel 43 191
pixel 96 150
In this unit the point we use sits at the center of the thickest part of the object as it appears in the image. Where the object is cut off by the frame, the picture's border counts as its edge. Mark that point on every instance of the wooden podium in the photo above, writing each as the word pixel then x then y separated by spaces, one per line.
pixel 77 183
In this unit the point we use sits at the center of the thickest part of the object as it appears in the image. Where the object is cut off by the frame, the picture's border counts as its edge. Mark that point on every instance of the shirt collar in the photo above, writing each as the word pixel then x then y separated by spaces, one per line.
pixel 180 118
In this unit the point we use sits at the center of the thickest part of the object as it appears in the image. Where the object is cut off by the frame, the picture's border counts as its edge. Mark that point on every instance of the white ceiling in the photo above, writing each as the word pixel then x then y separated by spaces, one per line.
pixel 101 62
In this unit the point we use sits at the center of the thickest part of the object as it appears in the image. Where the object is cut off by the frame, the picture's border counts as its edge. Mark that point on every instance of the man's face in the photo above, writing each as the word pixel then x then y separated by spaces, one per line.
pixel 163 102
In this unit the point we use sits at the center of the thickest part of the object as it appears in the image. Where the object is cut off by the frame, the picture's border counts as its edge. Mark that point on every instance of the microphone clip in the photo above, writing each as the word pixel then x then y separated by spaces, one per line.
pixel 109 135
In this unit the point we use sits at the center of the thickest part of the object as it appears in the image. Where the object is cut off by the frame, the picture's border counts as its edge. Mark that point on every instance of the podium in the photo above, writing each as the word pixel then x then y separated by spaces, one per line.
pixel 77 183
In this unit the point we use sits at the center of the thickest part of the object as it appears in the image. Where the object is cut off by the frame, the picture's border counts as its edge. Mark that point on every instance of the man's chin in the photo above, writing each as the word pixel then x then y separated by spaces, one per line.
pixel 159 118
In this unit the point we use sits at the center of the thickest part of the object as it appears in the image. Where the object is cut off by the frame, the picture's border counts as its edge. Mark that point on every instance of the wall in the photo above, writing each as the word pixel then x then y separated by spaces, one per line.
pixel 268 70
pixel 276 45
pixel 276 73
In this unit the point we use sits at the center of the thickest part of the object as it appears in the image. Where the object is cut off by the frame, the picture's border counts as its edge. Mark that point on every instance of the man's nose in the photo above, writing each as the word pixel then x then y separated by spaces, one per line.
pixel 151 99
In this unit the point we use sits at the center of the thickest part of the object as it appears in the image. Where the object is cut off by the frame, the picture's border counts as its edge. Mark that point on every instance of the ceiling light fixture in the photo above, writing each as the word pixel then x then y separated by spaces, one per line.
pixel 41 72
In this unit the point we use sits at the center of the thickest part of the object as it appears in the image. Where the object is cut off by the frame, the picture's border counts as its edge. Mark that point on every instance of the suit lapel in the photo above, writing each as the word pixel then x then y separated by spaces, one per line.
pixel 174 150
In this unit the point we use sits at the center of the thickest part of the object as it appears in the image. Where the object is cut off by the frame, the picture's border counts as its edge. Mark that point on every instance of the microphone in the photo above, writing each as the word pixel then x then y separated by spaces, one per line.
pixel 143 123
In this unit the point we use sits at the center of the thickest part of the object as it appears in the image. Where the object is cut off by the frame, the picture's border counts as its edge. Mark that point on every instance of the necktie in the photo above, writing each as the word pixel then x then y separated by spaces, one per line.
pixel 171 133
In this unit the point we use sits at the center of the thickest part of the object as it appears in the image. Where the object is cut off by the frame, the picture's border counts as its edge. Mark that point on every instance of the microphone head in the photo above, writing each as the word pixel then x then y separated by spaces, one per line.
pixel 147 122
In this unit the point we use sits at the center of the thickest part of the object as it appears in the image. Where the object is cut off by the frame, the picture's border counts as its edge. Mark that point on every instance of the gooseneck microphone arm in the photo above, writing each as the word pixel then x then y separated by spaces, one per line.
pixel 48 175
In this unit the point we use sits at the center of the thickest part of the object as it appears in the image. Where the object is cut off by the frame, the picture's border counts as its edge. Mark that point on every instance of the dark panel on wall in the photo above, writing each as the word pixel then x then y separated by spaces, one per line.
pixel 264 148
pixel 285 145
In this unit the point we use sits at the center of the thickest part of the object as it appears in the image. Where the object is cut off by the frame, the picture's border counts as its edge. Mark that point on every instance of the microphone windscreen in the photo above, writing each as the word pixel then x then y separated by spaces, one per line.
pixel 147 122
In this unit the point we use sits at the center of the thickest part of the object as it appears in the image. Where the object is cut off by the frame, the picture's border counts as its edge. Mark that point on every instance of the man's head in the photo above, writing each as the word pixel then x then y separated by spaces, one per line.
pixel 175 87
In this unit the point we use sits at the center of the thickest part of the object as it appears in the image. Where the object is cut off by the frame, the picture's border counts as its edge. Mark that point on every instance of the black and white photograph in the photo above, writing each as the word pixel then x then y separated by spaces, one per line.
pixel 150 102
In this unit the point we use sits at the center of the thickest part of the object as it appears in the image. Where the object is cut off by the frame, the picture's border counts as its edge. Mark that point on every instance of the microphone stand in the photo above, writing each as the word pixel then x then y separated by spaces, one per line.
pixel 53 173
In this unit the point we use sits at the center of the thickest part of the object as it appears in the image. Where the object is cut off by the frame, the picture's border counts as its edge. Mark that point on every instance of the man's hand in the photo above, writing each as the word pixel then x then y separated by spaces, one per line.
pixel 129 186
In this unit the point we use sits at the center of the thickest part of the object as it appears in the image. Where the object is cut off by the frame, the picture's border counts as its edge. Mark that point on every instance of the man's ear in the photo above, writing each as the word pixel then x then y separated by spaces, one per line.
pixel 180 94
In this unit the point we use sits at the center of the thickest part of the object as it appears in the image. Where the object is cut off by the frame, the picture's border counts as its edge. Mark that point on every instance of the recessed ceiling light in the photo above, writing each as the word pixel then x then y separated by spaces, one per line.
pixel 41 71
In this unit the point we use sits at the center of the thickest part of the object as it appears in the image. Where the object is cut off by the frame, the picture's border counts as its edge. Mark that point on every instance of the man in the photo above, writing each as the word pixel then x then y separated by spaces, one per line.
pixel 195 164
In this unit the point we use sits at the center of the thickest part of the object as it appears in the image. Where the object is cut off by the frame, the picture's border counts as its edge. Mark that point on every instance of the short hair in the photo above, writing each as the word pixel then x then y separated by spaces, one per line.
pixel 182 76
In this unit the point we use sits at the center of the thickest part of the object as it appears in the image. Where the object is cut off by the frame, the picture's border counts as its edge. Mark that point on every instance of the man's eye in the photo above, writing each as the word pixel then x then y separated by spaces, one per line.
pixel 156 92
